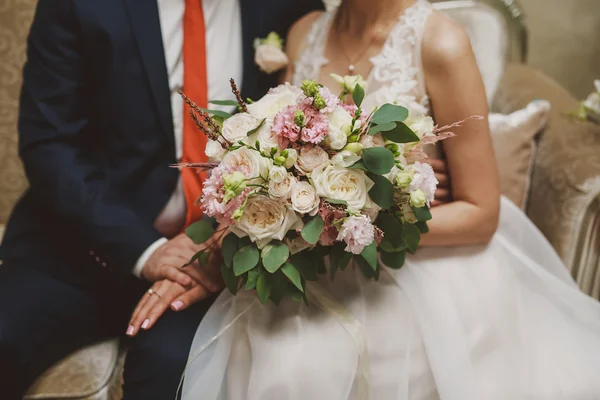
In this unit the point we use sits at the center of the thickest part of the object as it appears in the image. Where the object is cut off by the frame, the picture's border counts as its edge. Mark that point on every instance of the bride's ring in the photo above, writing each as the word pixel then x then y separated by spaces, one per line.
pixel 153 292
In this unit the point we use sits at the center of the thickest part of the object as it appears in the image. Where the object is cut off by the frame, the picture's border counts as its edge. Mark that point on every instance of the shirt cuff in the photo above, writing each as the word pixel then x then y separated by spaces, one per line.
pixel 141 262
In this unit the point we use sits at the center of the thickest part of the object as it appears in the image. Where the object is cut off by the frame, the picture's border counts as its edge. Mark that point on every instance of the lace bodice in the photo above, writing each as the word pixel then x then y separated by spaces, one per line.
pixel 396 76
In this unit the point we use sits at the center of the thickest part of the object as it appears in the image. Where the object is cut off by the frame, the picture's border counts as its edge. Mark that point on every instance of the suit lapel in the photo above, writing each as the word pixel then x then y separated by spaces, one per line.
pixel 252 18
pixel 145 23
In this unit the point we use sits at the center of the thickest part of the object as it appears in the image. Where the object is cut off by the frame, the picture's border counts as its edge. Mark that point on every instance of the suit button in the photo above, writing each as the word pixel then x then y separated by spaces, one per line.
pixel 97 259
pixel 91 252
pixel 103 264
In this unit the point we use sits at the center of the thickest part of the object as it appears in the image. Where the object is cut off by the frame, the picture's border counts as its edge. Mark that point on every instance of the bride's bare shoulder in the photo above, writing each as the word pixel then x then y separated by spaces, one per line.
pixel 445 42
pixel 298 32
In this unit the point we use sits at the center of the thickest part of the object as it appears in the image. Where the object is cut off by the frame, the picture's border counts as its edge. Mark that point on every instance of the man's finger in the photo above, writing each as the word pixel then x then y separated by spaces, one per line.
pixel 175 274
pixel 442 195
pixel 443 181
pixel 201 275
pixel 189 298
pixel 437 164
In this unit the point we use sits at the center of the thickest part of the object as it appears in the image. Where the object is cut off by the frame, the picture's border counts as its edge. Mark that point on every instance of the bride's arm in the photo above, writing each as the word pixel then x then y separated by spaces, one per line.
pixel 456 92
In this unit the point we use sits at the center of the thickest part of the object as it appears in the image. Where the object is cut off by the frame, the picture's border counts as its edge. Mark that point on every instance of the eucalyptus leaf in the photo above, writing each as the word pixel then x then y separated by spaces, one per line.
pixel 264 287
pixel 224 102
pixel 358 95
pixel 199 255
pixel 422 226
pixel 394 260
pixel 252 278
pixel 253 131
pixel 369 254
pixel 359 165
pixel 366 268
pixel 303 261
pixel 388 126
pixel 279 287
pixel 274 255
pixel 411 236
pixel 229 247
pixel 293 275
pixel 401 134
pixel 245 259
pixel 391 228
pixel 389 113
pixel 382 193
pixel 313 229
pixel 378 160
pixel 200 231
pixel 422 214
pixel 231 281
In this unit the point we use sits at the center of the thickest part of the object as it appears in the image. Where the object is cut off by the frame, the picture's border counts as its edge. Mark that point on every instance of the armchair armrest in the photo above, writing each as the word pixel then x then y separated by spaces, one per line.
pixel 564 199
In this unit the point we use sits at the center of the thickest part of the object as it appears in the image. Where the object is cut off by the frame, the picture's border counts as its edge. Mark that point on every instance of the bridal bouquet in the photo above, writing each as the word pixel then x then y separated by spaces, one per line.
pixel 300 177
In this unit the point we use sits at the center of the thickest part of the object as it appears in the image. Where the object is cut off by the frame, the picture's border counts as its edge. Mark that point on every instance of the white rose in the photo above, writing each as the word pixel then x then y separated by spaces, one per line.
pixel 369 141
pixel 280 183
pixel 297 244
pixel 250 160
pixel 237 127
pixel 340 119
pixel 214 151
pixel 336 139
pixel 270 58
pixel 421 126
pixel 338 183
pixel 311 157
pixel 304 198
pixel 266 138
pixel 345 159
pixel 349 82
pixel 274 101
pixel 265 219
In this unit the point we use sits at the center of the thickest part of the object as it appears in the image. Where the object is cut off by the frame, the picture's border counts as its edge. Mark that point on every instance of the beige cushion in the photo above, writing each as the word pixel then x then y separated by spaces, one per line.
pixel 513 136
pixel 85 374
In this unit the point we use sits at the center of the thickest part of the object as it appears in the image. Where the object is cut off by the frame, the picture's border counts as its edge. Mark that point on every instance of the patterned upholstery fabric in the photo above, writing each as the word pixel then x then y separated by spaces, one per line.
pixel 564 200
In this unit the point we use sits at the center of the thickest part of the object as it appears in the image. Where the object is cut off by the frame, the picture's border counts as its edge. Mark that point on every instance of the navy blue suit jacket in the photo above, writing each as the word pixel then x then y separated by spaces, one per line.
pixel 96 134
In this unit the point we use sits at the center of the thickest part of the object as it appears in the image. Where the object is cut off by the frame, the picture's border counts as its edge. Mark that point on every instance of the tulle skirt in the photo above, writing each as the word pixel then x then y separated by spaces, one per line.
pixel 501 322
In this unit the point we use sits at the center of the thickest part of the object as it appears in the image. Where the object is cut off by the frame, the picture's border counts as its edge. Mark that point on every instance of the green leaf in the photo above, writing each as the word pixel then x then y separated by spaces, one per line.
pixel 389 113
pixel 338 258
pixel 253 131
pixel 253 275
pixel 359 165
pixel 218 113
pixel 369 253
pixel 200 231
pixel 229 247
pixel 382 193
pixel 293 275
pixel 366 268
pixel 231 281
pixel 393 260
pixel 274 255
pixel 422 214
pixel 382 128
pixel 411 236
pixel 391 228
pixel 264 287
pixel 387 246
pixel 422 226
pixel 224 102
pixel 378 160
pixel 313 229
pixel 198 256
pixel 303 261
pixel 401 134
pixel 358 95
pixel 245 259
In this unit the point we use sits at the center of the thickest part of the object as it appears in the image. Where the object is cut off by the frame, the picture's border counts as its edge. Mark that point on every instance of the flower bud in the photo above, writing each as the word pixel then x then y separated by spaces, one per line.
pixel 279 160
pixel 237 214
pixel 393 147
pixel 299 119
pixel 290 157
pixel 404 178
pixel 418 198
pixel 352 138
pixel 355 148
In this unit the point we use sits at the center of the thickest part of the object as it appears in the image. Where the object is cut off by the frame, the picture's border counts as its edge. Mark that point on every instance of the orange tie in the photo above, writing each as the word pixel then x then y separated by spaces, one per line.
pixel 196 88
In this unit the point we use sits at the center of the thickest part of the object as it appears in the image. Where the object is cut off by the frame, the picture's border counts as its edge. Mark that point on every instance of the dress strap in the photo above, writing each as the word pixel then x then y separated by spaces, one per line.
pixel 312 56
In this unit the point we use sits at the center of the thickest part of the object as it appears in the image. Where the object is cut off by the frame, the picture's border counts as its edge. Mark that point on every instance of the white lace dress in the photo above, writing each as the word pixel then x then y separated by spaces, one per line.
pixel 498 322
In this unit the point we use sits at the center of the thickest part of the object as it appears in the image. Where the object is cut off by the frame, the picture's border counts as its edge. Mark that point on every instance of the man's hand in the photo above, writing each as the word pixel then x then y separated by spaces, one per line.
pixel 162 295
pixel 443 194
pixel 167 260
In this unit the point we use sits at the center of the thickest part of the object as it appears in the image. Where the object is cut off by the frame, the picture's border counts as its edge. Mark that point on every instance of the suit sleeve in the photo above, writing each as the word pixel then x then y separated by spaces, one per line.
pixel 69 181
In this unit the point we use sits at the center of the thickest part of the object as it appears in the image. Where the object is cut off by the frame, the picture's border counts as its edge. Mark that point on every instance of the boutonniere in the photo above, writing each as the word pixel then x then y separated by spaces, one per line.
pixel 590 107
pixel 268 53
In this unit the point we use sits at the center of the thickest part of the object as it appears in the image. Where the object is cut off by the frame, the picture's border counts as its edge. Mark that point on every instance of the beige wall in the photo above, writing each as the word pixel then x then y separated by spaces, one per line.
pixel 564 41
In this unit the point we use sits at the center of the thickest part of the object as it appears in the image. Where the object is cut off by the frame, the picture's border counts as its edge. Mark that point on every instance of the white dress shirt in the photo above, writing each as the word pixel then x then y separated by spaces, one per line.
pixel 224 60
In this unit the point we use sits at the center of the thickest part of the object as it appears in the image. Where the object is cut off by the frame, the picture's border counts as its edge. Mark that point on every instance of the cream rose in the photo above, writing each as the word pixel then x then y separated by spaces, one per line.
pixel 237 127
pixel 338 183
pixel 214 151
pixel 270 58
pixel 274 101
pixel 265 219
pixel 280 183
pixel 369 141
pixel 336 139
pixel 304 198
pixel 250 160
pixel 310 157
pixel 340 119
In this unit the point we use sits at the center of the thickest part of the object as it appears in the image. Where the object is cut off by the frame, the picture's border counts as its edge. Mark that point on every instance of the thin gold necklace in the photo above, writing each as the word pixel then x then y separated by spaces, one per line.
pixel 352 62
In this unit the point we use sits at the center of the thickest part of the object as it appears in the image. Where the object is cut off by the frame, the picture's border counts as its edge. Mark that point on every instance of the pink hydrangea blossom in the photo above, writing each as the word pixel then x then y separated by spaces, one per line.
pixel 315 129
pixel 213 194
pixel 423 179
pixel 317 126
pixel 357 232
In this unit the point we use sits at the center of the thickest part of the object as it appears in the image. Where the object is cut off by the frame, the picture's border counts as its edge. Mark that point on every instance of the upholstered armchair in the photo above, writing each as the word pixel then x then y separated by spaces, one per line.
pixel 564 191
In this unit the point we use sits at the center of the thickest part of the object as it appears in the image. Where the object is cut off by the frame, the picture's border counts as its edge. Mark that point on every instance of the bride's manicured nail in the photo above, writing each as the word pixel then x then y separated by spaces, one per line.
pixel 130 330
pixel 145 323
pixel 177 305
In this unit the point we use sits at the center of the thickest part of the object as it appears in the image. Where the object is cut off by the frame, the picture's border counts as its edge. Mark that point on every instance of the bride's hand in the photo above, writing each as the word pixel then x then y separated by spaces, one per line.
pixel 443 193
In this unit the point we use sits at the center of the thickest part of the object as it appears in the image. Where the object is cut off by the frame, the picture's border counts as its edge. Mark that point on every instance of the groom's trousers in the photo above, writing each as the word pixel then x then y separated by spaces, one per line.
pixel 42 319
